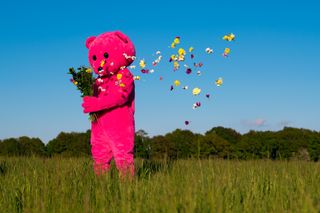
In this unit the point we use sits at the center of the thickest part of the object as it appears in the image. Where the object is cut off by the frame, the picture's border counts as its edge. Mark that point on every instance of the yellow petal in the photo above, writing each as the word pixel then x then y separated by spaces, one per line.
pixel 102 63
pixel 89 70
pixel 227 50
pixel 219 82
pixel 232 36
pixel 136 77
pixel 181 51
pixel 181 58
pixel 176 83
pixel 119 76
pixel 229 37
pixel 196 91
pixel 176 40
pixel 142 63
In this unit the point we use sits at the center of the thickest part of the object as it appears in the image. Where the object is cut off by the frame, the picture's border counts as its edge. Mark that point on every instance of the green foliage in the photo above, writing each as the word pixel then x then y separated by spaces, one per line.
pixel 161 148
pixel 142 145
pixel 213 145
pixel 227 134
pixel 83 79
pixel 70 144
pixel 11 146
pixel 292 140
pixel 32 146
pixel 3 167
pixel 314 148
pixel 22 146
pixel 32 184
pixel 254 145
pixel 181 143
pixel 219 142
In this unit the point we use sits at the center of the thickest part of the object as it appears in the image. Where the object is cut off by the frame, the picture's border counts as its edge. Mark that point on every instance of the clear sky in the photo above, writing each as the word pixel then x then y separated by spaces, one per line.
pixel 271 79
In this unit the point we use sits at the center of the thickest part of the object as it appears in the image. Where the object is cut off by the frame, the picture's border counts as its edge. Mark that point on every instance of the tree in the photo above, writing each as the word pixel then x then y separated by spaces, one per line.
pixel 314 148
pixel 142 146
pixel 292 140
pixel 219 142
pixel 70 144
pixel 32 146
pixel 11 147
pixel 142 133
pixel 227 134
pixel 183 143
pixel 212 145
pixel 161 148
pixel 255 145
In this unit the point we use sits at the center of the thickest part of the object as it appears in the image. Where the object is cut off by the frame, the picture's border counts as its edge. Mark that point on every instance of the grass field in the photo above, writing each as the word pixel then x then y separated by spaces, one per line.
pixel 69 185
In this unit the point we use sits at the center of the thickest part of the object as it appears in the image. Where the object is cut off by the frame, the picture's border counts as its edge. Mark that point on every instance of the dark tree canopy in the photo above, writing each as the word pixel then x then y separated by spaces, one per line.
pixel 218 142
pixel 70 144
pixel 22 146
pixel 228 134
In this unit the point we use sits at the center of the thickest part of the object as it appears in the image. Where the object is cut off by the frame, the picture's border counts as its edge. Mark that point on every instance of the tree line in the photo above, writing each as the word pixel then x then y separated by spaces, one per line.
pixel 219 142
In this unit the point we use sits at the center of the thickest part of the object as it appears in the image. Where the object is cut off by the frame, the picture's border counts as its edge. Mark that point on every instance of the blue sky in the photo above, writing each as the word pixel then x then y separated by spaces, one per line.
pixel 271 79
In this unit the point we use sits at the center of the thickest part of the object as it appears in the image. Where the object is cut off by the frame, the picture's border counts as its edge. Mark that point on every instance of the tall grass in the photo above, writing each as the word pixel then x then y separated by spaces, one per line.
pixel 69 185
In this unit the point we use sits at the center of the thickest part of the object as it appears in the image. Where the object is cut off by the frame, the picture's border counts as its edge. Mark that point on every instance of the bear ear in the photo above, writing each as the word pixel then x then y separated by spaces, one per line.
pixel 122 36
pixel 89 41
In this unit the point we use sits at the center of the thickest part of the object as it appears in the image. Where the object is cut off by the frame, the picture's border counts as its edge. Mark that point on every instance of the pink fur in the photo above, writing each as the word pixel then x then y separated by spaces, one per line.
pixel 112 135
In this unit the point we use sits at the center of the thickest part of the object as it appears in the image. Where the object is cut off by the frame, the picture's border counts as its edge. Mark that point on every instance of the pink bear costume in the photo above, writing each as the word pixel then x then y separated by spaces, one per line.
pixel 112 135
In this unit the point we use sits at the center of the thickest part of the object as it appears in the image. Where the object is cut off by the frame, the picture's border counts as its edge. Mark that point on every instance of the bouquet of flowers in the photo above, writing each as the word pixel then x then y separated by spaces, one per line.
pixel 83 80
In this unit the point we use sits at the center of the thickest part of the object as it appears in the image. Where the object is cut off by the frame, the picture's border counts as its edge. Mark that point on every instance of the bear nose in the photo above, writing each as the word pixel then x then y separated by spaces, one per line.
pixel 100 68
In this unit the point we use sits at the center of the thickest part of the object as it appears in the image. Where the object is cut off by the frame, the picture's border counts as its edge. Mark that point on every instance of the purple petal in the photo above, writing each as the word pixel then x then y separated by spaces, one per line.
pixel 188 71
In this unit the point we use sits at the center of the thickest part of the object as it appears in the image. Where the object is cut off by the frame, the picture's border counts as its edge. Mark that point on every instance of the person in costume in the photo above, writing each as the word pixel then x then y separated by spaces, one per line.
pixel 112 134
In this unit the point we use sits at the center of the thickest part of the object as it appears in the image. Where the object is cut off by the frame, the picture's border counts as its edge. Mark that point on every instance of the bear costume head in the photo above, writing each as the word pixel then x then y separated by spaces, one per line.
pixel 109 52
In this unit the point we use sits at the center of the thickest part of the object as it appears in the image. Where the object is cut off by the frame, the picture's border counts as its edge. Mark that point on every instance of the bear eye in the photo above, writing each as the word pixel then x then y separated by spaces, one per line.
pixel 94 57
pixel 106 55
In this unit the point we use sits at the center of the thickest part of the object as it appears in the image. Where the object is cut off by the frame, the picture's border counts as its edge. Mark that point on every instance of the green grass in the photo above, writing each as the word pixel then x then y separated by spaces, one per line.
pixel 69 185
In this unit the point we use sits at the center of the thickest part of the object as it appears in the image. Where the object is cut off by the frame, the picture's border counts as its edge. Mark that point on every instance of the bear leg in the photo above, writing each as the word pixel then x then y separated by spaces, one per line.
pixel 100 149
pixel 123 150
